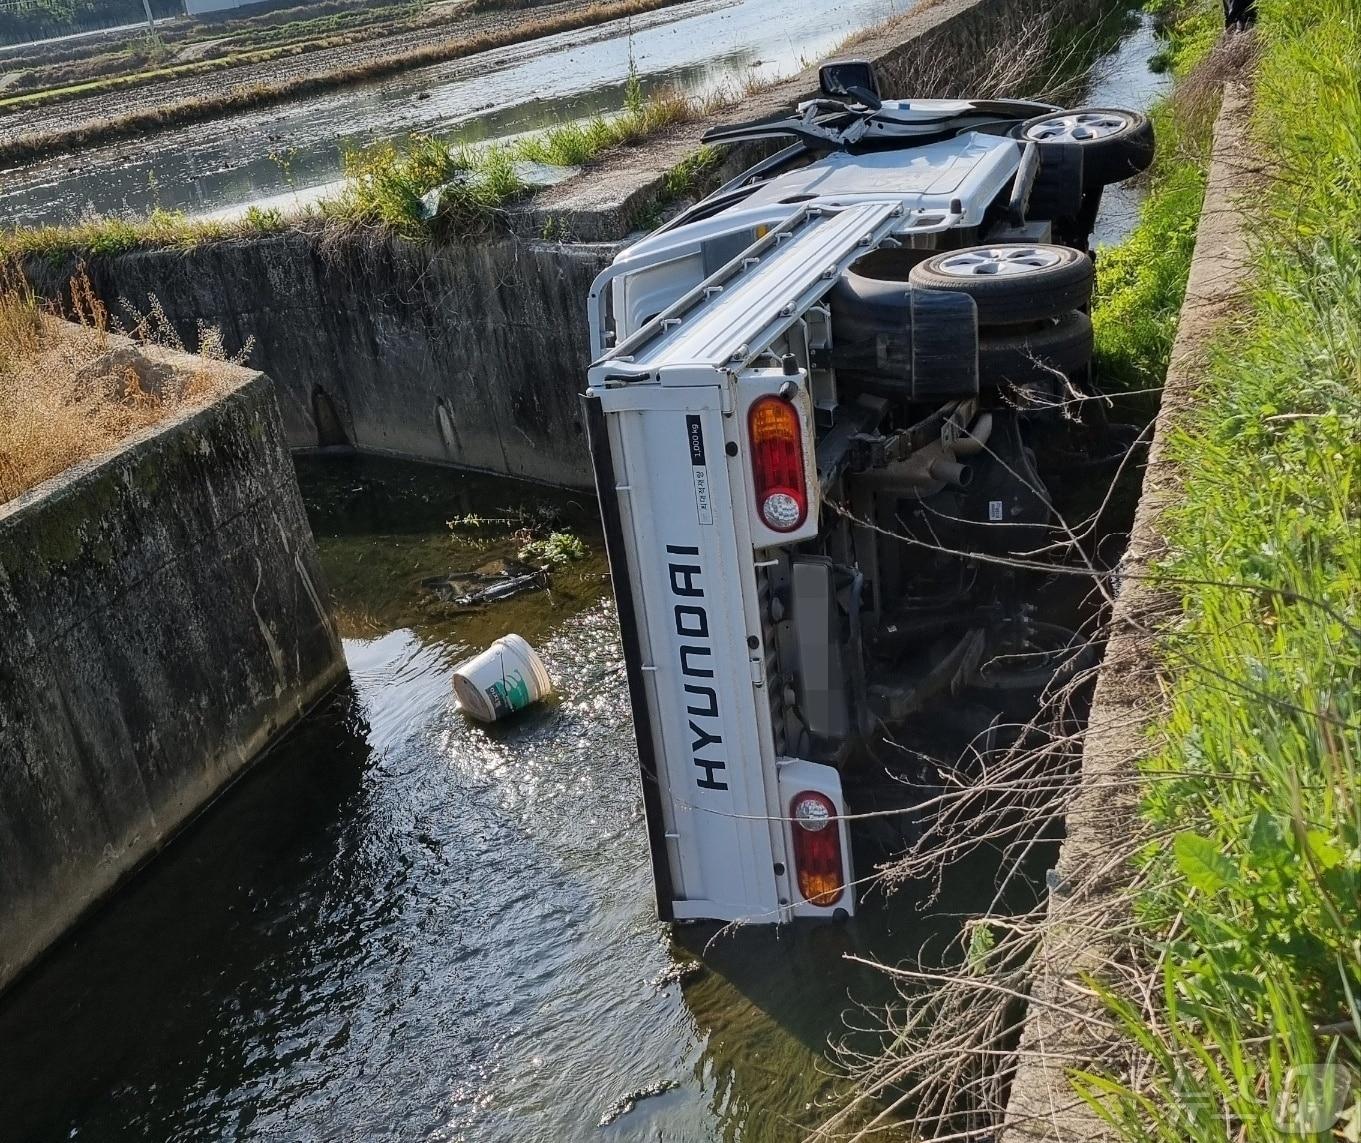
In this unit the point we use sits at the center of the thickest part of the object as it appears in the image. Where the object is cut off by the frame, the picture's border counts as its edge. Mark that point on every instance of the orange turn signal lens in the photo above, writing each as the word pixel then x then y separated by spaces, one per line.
pixel 777 467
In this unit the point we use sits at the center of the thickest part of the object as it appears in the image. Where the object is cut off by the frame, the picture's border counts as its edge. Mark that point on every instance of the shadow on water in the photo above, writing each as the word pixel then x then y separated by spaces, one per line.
pixel 147 996
pixel 384 528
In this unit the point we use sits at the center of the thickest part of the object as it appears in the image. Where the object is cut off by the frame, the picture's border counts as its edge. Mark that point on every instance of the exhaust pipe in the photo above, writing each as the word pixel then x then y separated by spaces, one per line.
pixel 952 472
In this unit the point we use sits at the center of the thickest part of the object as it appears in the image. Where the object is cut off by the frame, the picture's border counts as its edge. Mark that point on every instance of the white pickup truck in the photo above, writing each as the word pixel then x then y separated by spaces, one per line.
pixel 821 405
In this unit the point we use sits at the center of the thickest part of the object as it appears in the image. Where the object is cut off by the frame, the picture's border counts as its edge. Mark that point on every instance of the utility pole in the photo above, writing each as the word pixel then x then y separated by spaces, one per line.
pixel 150 21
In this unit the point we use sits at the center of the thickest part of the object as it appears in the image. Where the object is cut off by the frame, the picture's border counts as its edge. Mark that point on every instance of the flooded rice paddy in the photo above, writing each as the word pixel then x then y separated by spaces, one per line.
pixel 292 155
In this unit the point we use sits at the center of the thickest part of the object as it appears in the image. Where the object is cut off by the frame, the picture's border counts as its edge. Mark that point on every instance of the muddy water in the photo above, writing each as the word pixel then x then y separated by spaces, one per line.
pixel 402 926
pixel 291 155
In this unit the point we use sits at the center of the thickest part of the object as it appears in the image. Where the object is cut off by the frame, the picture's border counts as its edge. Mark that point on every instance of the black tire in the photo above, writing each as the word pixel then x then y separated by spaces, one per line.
pixel 1106 159
pixel 1050 656
pixel 1037 294
pixel 1031 356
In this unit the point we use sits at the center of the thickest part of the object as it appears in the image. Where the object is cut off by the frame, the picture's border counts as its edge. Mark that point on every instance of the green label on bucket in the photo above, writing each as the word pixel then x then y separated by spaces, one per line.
pixel 510 694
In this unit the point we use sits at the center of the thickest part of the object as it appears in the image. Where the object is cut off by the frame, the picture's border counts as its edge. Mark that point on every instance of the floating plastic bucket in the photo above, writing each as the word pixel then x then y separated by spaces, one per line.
pixel 507 676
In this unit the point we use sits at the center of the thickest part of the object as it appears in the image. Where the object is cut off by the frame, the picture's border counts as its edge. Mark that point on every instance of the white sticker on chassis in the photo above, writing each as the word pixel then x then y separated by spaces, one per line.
pixel 703 506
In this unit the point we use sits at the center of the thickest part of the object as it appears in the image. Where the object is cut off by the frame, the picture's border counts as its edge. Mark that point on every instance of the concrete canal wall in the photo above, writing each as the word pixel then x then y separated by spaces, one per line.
pixel 469 354
pixel 474 354
pixel 162 620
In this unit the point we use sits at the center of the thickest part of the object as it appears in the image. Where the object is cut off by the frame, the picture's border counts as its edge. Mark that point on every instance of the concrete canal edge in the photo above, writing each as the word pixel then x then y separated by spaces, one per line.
pixel 1065 1027
pixel 163 620
pixel 473 354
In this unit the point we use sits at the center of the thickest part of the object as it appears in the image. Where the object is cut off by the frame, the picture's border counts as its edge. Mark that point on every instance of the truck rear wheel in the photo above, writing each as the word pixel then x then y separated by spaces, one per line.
pixel 1036 356
pixel 1011 283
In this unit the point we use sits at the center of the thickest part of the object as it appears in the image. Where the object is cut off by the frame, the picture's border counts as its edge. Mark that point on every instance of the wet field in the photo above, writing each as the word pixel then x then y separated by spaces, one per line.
pixel 290 155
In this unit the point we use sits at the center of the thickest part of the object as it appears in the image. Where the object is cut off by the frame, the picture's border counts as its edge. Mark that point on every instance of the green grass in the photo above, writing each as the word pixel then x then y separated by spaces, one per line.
pixel 1252 904
pixel 387 188
pixel 1140 283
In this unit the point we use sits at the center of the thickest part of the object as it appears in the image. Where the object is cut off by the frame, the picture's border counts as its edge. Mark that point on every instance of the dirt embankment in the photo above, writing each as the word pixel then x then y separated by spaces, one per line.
pixel 34 132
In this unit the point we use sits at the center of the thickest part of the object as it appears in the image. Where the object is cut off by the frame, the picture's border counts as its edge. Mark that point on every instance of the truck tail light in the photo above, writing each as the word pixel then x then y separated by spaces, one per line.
pixel 777 463
pixel 817 848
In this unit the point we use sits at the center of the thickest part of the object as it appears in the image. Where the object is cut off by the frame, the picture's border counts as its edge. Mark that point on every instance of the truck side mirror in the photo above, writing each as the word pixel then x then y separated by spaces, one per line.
pixel 850 79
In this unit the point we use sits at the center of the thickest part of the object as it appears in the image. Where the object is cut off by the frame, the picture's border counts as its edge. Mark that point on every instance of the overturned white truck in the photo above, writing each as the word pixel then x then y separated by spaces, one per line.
pixel 823 409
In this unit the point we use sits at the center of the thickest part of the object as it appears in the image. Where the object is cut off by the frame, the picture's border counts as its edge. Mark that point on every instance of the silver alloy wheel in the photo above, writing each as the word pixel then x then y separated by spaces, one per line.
pixel 1009 261
pixel 1079 127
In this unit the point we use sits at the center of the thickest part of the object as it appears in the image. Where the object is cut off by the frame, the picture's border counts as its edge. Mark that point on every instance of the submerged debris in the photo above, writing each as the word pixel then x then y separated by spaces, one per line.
pixel 492 581
pixel 626 1103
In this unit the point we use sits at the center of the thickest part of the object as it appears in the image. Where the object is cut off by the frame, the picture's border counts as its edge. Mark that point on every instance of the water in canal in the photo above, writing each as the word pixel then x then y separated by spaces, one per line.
pixel 403 926
pixel 1122 78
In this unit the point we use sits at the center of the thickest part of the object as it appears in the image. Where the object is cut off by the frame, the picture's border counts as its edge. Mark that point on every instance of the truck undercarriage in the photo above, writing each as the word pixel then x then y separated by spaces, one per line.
pixel 830 408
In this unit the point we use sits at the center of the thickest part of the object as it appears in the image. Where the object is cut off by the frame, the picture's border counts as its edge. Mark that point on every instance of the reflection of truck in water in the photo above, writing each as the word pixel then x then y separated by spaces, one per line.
pixel 823 409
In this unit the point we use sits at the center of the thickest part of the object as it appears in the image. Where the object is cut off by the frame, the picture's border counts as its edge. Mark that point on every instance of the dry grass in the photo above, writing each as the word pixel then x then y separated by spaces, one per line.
pixel 1036 56
pixel 71 391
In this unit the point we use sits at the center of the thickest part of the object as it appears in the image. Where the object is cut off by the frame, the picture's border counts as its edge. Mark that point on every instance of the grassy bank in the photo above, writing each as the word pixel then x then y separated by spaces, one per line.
pixel 1249 905
pixel 1141 282
pixel 245 96
pixel 391 187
